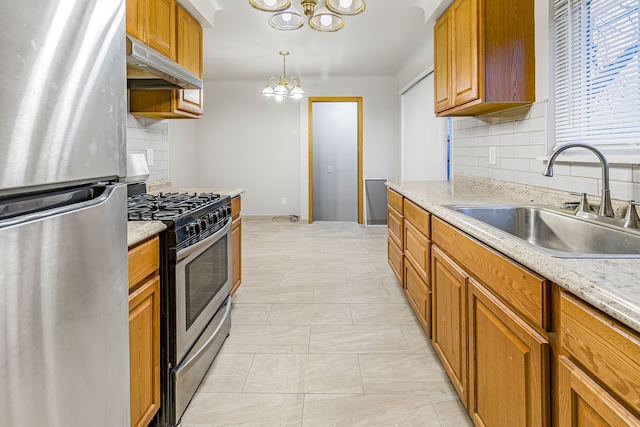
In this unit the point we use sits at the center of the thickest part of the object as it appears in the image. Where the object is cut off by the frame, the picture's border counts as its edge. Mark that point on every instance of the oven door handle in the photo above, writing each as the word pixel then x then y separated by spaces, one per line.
pixel 206 345
pixel 182 254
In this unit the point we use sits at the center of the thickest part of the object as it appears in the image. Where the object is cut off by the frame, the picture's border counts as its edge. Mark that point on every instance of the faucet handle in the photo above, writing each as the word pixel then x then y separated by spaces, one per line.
pixel 631 219
pixel 584 203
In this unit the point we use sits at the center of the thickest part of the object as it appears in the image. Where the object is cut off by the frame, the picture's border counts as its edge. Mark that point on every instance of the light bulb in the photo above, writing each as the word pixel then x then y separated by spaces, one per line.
pixel 286 17
pixel 345 4
pixel 326 20
pixel 270 3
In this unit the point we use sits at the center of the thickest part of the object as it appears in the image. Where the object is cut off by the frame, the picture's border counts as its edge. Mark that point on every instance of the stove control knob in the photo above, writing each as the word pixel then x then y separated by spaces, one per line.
pixel 228 210
pixel 187 231
pixel 216 216
pixel 203 224
pixel 195 227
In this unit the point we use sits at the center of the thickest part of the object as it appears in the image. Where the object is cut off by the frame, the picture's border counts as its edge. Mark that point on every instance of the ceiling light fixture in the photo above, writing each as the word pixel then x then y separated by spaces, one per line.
pixel 325 16
pixel 283 88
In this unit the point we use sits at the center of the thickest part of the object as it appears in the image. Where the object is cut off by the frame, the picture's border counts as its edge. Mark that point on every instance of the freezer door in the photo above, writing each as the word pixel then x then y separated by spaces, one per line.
pixel 63 91
pixel 64 346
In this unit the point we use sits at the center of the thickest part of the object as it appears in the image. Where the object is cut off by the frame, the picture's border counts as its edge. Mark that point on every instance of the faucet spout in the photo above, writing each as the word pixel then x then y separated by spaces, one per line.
pixel 605 205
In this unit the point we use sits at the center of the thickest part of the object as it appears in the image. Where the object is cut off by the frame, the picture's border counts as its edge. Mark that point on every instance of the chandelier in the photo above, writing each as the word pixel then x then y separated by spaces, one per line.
pixel 327 17
pixel 283 88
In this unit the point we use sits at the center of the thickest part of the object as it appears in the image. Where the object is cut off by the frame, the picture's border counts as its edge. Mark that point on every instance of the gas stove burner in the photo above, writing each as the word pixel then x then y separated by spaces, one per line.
pixel 166 206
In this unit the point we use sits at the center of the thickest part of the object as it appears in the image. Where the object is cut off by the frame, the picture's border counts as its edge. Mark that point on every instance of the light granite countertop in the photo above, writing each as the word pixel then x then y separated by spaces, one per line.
pixel 611 285
pixel 137 231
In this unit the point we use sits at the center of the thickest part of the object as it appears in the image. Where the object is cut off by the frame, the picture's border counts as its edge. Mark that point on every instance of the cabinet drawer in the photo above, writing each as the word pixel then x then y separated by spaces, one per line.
pixel 144 260
pixel 394 199
pixel 607 350
pixel 417 249
pixel 419 296
pixel 396 259
pixel 521 289
pixel 395 224
pixel 417 216
pixel 235 206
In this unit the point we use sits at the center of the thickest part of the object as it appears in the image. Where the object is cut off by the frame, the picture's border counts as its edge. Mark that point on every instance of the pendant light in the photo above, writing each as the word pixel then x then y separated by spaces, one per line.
pixel 283 88
pixel 270 5
pixel 325 16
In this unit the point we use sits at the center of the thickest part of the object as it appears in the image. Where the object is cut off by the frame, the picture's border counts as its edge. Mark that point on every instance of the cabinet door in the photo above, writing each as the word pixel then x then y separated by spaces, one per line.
pixel 160 31
pixel 442 61
pixel 419 296
pixel 189 100
pixel 449 318
pixel 508 363
pixel 582 402
pixel 189 43
pixel 395 225
pixel 465 53
pixel 395 257
pixel 417 250
pixel 144 352
pixel 135 12
pixel 236 256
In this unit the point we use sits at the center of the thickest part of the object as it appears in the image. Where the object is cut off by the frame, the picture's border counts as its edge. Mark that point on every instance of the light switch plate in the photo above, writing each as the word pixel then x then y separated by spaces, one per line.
pixel 330 169
pixel 150 159
pixel 492 156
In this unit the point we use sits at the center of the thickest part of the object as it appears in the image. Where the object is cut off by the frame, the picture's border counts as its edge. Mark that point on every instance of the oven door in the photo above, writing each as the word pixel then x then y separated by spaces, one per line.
pixel 203 282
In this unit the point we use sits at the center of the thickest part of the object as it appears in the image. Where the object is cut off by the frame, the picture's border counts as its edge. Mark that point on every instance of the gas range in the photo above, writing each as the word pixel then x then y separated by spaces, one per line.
pixel 195 284
pixel 190 217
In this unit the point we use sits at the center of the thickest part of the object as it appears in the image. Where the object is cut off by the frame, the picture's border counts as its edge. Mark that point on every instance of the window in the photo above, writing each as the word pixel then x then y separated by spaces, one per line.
pixel 597 72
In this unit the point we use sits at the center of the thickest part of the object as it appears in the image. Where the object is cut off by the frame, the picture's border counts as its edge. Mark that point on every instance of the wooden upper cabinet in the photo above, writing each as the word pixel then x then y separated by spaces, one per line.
pixel 442 65
pixel 484 57
pixel 189 42
pixel 161 26
pixel 187 51
pixel 136 10
pixel 464 48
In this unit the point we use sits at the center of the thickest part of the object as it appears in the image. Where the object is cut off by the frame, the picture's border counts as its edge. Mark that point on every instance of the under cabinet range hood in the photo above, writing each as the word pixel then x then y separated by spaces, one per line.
pixel 148 69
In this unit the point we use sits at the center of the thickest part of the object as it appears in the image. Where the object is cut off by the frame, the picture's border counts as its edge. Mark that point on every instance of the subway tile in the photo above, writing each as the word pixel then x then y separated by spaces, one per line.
pixel 531 178
pixel 465 141
pixel 479 131
pixel 461 133
pixel 501 174
pixel 501 129
pixel 530 125
pixel 489 141
pixel 570 183
pixel 528 152
pixel 514 114
pixel 502 152
pixel 536 165
pixel 515 139
pixel 624 190
pixel 538 138
pixel 539 109
pixel 150 135
pixel 467 160
pixel 514 164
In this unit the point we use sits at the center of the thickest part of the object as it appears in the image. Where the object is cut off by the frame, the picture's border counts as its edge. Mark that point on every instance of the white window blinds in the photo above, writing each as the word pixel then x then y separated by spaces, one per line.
pixel 597 72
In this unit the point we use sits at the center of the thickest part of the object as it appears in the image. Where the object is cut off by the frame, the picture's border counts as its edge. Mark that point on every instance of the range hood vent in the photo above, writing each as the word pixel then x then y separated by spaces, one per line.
pixel 147 69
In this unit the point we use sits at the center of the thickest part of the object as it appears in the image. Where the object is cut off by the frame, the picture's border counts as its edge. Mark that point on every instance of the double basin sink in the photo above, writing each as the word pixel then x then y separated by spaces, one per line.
pixel 556 233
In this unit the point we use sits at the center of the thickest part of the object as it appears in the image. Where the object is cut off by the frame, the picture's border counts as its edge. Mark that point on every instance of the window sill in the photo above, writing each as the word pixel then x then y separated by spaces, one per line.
pixel 614 157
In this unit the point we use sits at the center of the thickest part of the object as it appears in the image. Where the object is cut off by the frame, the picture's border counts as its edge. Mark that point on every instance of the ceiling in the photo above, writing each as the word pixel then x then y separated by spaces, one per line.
pixel 240 45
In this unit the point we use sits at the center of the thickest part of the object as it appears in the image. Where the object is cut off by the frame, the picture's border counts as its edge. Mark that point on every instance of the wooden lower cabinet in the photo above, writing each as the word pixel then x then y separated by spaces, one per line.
pixel 509 370
pixel 419 296
pixel 582 402
pixel 236 244
pixel 166 104
pixel 144 332
pixel 449 285
pixel 395 257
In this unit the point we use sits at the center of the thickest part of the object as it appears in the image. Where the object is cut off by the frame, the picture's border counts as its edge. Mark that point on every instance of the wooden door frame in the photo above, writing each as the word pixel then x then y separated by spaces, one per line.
pixel 358 100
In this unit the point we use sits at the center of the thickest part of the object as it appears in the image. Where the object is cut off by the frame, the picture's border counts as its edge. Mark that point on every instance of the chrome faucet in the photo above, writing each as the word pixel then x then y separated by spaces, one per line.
pixel 605 204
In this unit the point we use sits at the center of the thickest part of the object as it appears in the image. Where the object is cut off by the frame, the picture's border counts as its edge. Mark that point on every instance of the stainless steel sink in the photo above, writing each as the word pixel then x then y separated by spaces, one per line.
pixel 556 233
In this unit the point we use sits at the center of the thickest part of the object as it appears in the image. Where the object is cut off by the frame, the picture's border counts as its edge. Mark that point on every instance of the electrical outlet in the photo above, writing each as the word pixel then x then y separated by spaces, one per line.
pixel 492 156
pixel 150 160
pixel 284 201
pixel 330 169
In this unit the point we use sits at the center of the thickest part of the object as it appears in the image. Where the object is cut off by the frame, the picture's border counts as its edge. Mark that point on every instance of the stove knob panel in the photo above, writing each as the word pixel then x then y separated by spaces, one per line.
pixel 203 224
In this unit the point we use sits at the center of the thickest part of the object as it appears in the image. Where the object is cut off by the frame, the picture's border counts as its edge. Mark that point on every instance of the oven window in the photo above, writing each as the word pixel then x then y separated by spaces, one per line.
pixel 205 276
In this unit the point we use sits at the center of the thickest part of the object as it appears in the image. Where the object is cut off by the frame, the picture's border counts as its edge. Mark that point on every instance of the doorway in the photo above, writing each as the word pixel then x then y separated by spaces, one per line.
pixel 335 159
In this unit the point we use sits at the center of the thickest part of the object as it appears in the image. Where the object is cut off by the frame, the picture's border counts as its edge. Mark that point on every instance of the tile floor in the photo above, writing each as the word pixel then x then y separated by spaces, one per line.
pixel 322 335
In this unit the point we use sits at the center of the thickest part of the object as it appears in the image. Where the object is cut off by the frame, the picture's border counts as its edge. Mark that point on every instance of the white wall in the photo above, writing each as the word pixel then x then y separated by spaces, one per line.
pixel 249 141
pixel 183 150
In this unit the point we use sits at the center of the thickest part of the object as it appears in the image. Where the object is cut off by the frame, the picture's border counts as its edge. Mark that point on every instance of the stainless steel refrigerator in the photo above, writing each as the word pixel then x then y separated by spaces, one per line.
pixel 63 251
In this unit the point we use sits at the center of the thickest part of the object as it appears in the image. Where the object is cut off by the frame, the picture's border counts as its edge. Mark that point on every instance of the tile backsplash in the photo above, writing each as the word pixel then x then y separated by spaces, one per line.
pixel 144 134
pixel 519 136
